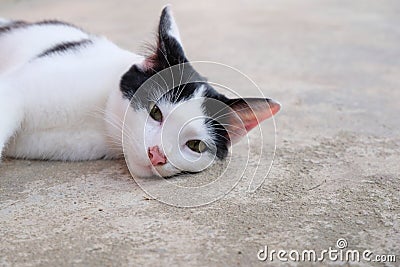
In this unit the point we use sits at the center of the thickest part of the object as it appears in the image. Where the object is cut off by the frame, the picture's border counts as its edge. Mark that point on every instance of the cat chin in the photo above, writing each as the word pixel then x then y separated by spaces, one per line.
pixel 140 170
pixel 167 170
pixel 151 171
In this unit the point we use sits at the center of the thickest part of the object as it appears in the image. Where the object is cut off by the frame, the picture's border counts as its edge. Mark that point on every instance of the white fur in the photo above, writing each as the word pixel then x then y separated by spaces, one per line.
pixel 52 106
pixel 3 21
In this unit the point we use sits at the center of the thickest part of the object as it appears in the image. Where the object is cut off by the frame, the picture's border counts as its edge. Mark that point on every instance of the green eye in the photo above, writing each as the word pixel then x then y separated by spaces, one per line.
pixel 197 146
pixel 155 112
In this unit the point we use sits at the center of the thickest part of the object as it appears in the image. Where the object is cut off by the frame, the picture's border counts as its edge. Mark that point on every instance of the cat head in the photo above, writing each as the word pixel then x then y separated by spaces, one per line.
pixel 185 127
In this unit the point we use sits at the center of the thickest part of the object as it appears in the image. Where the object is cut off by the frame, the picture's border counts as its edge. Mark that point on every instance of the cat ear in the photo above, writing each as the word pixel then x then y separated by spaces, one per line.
pixel 168 27
pixel 248 113
pixel 169 49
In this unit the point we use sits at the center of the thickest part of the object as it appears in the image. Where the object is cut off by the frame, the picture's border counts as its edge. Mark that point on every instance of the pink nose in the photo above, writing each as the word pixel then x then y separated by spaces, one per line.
pixel 156 156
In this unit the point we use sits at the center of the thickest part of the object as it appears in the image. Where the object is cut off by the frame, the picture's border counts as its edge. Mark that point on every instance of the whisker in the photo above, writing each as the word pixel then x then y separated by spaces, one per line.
pixel 118 124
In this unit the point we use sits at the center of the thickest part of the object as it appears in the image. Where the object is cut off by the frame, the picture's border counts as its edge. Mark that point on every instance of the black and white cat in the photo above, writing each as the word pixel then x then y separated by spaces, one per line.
pixel 54 77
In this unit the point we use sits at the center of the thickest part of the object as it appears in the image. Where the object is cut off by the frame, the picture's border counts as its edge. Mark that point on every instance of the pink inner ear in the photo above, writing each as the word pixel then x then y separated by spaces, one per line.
pixel 251 113
pixel 251 118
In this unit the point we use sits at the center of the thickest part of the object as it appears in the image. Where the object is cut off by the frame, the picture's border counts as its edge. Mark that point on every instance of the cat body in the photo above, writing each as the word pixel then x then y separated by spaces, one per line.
pixel 64 95
pixel 61 109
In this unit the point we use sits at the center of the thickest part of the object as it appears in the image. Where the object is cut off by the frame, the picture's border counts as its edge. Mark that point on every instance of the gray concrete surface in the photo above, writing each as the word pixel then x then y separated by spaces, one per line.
pixel 334 65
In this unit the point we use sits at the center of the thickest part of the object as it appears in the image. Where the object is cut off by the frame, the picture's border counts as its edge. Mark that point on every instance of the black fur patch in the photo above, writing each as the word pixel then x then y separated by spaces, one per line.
pixel 65 47
pixel 132 80
pixel 217 119
pixel 19 24
pixel 55 22
pixel 8 27
pixel 152 83
pixel 182 92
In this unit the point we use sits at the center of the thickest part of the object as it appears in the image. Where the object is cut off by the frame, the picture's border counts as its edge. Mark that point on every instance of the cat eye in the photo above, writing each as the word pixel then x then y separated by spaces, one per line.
pixel 197 146
pixel 155 112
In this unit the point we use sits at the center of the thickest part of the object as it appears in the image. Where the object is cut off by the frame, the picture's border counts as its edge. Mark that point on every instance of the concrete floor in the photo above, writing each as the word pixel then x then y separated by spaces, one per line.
pixel 334 65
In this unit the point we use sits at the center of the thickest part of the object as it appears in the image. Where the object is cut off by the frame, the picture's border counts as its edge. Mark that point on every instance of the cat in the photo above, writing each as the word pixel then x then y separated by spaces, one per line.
pixel 55 76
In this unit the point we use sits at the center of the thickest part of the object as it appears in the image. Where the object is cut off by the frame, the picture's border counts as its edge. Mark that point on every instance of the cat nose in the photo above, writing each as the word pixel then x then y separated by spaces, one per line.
pixel 156 156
